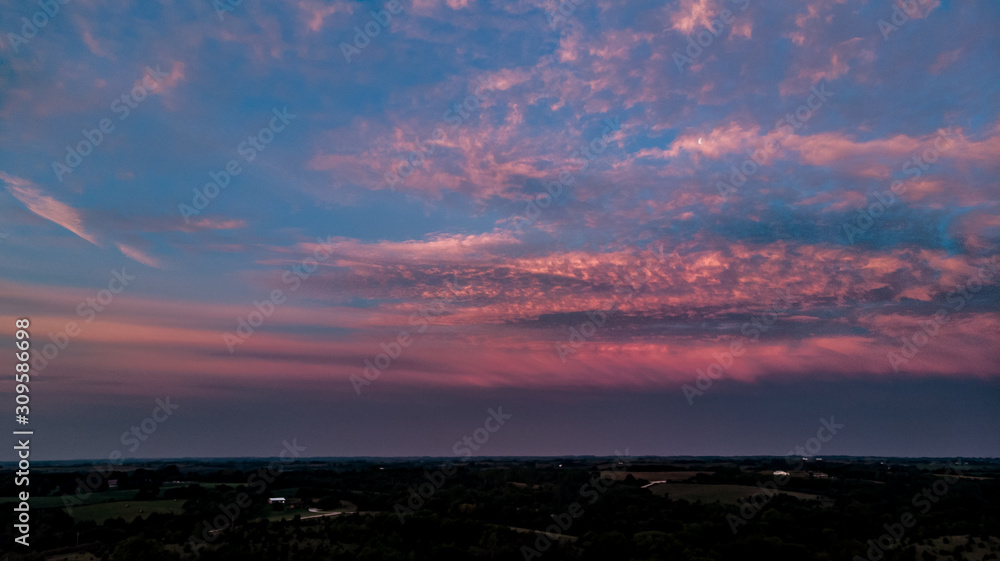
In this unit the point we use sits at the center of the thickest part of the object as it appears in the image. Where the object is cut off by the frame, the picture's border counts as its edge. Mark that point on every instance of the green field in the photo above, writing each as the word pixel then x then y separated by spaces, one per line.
pixel 288 493
pixel 126 510
pixel 654 475
pixel 57 502
pixel 125 495
pixel 726 494
pixel 205 485
pixel 288 514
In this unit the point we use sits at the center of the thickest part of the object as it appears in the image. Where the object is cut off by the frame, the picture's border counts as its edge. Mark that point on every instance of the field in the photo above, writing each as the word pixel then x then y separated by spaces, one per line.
pixel 98 497
pixel 126 510
pixel 654 475
pixel 58 502
pixel 726 494
pixel 289 514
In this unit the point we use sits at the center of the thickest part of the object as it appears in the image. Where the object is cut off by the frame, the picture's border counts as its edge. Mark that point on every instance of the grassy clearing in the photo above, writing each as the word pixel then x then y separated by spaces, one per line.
pixel 205 485
pixel 726 494
pixel 126 510
pixel 654 475
pixel 289 514
pixel 117 495
pixel 94 498
pixel 74 557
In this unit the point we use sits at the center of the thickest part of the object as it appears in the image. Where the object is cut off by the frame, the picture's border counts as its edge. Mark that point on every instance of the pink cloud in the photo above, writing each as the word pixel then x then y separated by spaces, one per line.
pixel 88 38
pixel 174 76
pixel 315 13
pixel 211 223
pixel 48 207
pixel 946 59
pixel 692 14
pixel 140 256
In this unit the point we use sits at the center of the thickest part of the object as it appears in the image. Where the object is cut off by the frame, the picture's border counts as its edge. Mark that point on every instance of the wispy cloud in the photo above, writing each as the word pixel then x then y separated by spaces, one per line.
pixel 47 207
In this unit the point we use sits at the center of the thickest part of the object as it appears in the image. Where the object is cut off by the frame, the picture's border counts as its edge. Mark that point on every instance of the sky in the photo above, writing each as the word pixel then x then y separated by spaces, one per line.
pixel 693 227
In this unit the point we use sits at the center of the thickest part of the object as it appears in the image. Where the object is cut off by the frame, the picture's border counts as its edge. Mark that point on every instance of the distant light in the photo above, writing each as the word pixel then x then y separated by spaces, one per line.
pixel 699 141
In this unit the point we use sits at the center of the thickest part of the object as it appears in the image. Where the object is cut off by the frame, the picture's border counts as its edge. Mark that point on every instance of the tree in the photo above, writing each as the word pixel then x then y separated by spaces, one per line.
pixel 140 548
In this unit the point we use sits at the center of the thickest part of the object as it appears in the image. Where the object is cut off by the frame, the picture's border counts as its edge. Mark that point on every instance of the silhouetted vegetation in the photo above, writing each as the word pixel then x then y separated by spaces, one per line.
pixel 494 509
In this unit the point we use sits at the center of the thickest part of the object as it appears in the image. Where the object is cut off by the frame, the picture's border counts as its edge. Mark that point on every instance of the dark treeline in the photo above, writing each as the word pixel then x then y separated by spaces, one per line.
pixel 491 510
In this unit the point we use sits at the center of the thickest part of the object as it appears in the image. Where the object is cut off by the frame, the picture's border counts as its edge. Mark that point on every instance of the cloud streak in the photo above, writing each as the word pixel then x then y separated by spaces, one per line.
pixel 47 207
